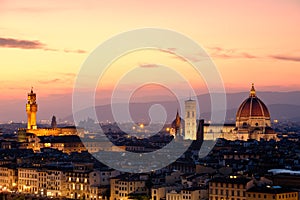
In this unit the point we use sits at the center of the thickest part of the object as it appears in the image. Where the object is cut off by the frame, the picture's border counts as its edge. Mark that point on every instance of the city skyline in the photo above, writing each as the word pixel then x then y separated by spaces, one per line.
pixel 282 106
pixel 150 100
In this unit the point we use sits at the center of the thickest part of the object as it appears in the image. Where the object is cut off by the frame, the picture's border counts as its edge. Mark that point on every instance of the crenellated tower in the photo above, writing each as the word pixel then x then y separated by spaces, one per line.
pixel 31 109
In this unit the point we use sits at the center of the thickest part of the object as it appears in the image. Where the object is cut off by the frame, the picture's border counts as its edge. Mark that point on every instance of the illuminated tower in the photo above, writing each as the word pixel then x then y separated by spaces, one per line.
pixel 31 109
pixel 190 124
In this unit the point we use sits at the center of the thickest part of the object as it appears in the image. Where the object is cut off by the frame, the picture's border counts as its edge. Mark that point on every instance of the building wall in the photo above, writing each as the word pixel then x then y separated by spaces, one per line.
pixel 55 131
pixel 268 196
pixel 253 121
pixel 187 194
pixel 173 195
pixel 212 132
pixel 52 183
pixel 8 178
pixel 229 190
pixel 120 189
pixel 158 193
pixel 28 180
pixel 77 185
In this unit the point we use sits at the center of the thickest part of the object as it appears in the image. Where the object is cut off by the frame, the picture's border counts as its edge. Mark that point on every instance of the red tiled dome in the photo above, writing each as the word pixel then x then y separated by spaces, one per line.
pixel 252 107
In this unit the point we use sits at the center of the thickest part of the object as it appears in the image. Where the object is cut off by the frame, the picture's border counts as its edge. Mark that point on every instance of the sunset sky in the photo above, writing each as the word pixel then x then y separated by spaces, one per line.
pixel 44 43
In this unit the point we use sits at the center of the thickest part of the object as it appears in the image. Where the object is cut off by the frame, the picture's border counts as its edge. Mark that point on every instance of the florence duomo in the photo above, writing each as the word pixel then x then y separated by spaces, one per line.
pixel 253 121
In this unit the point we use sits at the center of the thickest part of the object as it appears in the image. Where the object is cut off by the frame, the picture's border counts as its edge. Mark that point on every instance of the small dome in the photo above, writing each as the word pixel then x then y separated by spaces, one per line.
pixel 253 107
pixel 178 121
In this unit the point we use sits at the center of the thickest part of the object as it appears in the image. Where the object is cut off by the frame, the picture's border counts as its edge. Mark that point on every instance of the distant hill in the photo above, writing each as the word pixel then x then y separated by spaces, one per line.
pixel 284 103
pixel 282 106
pixel 277 111
pixel 285 112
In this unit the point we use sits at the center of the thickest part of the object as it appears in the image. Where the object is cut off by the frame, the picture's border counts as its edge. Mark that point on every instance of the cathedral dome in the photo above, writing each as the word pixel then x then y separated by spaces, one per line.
pixel 252 108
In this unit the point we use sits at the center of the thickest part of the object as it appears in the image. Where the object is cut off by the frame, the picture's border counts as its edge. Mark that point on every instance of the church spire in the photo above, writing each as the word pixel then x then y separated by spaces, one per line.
pixel 252 91
pixel 177 120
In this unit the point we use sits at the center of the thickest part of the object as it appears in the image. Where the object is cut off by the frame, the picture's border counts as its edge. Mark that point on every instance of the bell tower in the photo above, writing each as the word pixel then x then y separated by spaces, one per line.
pixel 190 124
pixel 31 109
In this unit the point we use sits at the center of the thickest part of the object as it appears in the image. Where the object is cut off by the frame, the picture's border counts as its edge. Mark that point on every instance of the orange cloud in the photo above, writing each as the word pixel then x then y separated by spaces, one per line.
pixel 218 52
pixel 49 81
pixel 32 44
pixel 286 57
pixel 149 65
pixel 75 51
pixel 21 44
